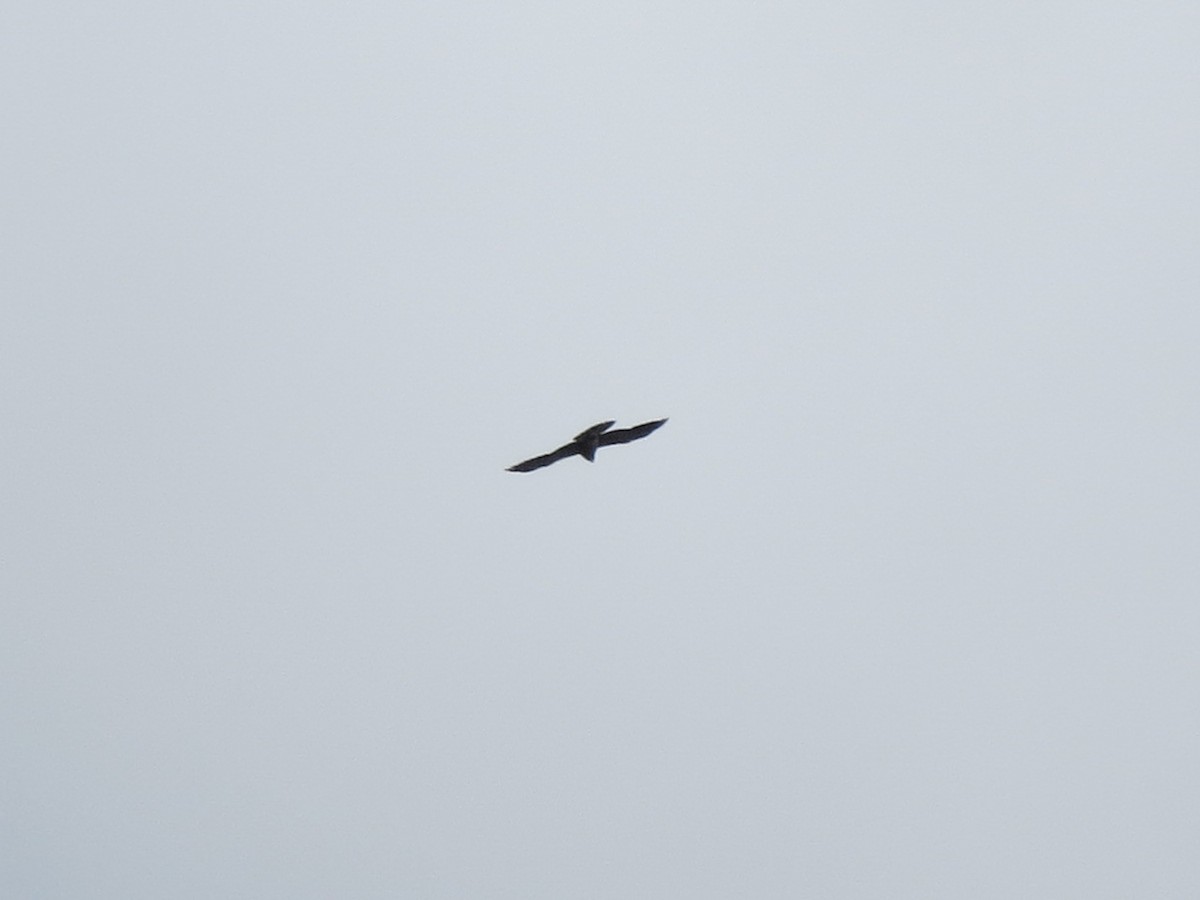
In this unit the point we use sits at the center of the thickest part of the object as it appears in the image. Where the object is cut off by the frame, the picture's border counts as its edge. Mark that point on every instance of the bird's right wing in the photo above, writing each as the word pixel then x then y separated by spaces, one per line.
pixel 595 429
pixel 625 435
pixel 539 461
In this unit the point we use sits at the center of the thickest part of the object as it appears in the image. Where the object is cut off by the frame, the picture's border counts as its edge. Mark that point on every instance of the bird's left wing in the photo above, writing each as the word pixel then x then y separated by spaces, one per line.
pixel 539 461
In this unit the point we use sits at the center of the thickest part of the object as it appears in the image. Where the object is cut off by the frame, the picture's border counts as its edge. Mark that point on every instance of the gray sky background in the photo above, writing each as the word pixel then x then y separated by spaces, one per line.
pixel 901 603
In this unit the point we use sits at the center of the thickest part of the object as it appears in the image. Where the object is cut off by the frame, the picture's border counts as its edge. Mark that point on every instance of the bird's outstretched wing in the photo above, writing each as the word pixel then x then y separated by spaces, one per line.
pixel 625 435
pixel 595 429
pixel 538 461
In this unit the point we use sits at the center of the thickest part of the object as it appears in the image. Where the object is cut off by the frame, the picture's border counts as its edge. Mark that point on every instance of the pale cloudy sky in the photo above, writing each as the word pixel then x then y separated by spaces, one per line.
pixel 901 603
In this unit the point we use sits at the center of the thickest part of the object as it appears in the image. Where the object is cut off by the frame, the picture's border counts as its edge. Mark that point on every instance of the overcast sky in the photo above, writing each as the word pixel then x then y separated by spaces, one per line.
pixel 902 602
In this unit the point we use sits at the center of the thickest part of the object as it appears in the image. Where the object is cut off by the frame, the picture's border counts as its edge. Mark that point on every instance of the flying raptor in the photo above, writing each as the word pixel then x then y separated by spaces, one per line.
pixel 586 442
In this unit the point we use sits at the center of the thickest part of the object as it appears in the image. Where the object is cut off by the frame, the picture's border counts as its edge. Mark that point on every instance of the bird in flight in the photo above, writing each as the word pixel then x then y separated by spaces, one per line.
pixel 585 443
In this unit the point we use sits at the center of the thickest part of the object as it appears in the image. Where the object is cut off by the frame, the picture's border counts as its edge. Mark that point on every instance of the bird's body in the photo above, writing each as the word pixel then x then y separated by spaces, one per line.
pixel 587 442
pixel 589 439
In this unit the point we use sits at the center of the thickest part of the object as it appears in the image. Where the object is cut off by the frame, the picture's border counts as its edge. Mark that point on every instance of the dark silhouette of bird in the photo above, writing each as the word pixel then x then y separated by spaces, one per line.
pixel 586 442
